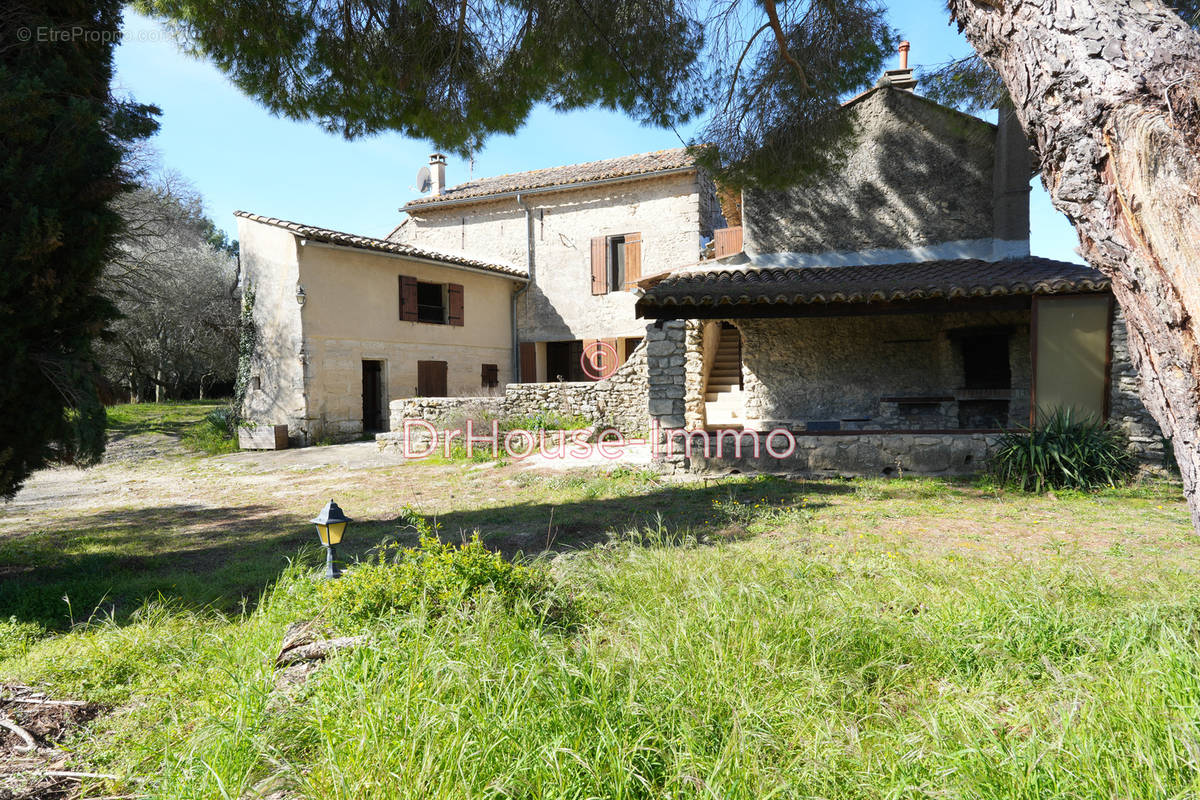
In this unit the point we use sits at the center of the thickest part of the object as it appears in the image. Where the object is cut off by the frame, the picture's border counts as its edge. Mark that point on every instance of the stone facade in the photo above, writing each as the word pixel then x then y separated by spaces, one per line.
pixel 917 175
pixel 853 370
pixel 675 214
pixel 1126 409
pixel 891 372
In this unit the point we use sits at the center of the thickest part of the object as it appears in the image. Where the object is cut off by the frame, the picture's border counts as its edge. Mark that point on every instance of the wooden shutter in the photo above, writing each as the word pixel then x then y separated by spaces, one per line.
pixel 633 259
pixel 490 377
pixel 728 241
pixel 408 298
pixel 599 265
pixel 612 358
pixel 454 291
pixel 431 378
pixel 528 355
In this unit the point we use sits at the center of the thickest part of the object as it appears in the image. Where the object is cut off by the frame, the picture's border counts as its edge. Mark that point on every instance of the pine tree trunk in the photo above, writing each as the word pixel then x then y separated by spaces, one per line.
pixel 1107 91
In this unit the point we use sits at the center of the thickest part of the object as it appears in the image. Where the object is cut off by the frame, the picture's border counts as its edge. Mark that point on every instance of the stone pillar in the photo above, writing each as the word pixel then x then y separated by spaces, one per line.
pixel 666 355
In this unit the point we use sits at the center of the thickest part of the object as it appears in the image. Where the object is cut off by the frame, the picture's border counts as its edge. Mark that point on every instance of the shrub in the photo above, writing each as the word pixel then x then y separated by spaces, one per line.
pixel 439 577
pixel 1064 452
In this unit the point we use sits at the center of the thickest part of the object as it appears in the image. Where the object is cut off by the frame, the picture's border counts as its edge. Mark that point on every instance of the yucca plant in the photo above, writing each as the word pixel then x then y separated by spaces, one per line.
pixel 1063 451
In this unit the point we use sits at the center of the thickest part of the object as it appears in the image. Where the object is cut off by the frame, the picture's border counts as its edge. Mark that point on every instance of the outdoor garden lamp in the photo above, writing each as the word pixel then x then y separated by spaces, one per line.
pixel 331 525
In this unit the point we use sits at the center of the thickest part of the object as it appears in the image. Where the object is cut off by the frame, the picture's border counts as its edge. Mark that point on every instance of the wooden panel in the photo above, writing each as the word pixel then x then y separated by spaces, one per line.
pixel 263 437
pixel 454 292
pixel 633 259
pixel 489 376
pixel 612 358
pixel 431 378
pixel 408 298
pixel 599 265
pixel 728 241
pixel 528 355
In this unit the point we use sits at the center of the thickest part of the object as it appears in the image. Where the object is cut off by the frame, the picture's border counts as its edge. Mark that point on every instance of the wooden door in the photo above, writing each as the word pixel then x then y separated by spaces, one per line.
pixel 431 378
pixel 372 395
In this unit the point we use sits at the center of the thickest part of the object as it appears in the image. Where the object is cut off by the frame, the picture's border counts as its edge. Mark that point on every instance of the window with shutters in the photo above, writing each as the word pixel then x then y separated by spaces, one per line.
pixel 433 303
pixel 616 262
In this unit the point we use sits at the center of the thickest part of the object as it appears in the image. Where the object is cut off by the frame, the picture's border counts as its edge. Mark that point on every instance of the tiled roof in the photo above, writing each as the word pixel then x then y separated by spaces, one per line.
pixel 625 166
pixel 927 280
pixel 383 245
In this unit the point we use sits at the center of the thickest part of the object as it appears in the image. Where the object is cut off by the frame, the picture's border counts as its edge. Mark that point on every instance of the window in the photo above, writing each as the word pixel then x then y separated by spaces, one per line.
pixel 616 263
pixel 631 344
pixel 491 376
pixel 431 302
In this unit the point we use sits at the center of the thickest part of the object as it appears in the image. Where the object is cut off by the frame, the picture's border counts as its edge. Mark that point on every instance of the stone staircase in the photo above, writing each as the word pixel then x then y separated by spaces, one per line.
pixel 723 397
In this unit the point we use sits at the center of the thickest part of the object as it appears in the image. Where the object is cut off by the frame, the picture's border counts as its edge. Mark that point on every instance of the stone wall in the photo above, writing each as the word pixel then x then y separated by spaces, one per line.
pixel 916 175
pixel 618 401
pixel 865 454
pixel 1125 404
pixel 845 370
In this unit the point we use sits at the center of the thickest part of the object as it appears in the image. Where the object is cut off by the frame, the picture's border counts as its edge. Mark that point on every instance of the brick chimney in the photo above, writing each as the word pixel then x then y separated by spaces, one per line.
pixel 900 78
pixel 437 173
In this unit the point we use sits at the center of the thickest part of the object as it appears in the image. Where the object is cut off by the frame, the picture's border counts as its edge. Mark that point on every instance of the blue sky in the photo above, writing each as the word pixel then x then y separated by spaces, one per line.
pixel 239 156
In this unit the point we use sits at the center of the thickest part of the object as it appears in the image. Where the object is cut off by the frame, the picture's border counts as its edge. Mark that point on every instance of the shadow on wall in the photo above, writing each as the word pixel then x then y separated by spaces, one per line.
pixel 916 176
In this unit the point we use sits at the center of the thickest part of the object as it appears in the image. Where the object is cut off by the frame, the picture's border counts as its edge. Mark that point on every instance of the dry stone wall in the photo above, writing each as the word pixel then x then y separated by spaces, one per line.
pixel 619 401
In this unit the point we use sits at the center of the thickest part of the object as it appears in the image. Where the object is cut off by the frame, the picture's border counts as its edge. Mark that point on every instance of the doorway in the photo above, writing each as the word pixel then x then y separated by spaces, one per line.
pixel 372 396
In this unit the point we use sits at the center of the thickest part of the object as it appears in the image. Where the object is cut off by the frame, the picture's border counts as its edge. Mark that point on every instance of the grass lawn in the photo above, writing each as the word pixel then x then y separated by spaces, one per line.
pixel 741 637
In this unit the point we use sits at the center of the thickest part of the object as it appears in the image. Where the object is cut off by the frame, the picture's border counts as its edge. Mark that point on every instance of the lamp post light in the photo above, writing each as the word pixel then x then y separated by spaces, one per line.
pixel 331 525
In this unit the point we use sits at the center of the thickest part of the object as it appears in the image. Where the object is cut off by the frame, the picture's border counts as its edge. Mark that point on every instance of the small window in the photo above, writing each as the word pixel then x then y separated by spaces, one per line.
pixel 255 383
pixel 431 303
pixel 491 376
pixel 631 344
pixel 616 263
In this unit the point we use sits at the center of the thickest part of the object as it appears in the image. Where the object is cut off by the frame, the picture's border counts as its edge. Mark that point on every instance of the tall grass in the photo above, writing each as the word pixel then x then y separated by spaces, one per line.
pixel 738 670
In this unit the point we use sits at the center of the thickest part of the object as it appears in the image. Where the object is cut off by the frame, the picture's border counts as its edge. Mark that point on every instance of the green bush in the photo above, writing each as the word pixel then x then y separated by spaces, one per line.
pixel 439 577
pixel 1064 452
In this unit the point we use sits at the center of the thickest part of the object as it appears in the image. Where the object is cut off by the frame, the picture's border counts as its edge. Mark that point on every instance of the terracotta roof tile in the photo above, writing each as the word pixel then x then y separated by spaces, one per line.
pixel 384 246
pixel 625 166
pixel 926 280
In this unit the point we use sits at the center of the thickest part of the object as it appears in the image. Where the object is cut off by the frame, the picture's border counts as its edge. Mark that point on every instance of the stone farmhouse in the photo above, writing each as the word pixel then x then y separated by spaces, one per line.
pixel 889 318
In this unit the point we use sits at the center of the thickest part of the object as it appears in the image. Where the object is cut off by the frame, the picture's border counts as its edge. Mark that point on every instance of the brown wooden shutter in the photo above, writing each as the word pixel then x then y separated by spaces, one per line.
pixel 528 355
pixel 408 298
pixel 612 358
pixel 633 259
pixel 455 292
pixel 431 378
pixel 599 265
pixel 728 241
pixel 490 376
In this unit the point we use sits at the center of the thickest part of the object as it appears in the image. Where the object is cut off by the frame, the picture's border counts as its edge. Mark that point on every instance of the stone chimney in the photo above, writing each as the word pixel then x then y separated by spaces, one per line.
pixel 1011 174
pixel 900 78
pixel 437 173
